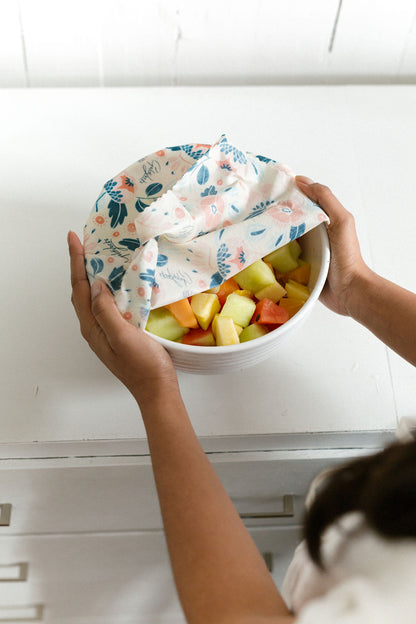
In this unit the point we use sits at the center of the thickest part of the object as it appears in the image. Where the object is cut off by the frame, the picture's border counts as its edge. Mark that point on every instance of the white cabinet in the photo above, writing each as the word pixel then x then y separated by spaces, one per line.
pixel 82 538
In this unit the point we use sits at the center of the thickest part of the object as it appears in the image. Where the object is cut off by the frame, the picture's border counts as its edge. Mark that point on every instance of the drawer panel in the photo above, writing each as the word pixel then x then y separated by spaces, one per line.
pixel 117 578
pixel 118 494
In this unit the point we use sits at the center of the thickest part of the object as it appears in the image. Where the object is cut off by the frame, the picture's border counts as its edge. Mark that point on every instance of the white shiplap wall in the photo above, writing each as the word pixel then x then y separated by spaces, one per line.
pixel 168 42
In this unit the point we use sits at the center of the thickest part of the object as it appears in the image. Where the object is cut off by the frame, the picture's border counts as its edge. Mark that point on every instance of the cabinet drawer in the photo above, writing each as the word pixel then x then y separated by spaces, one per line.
pixel 112 578
pixel 118 494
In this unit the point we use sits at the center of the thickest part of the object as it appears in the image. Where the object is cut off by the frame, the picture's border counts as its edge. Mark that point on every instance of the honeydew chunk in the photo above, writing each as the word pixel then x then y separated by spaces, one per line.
pixel 295 249
pixel 253 331
pixel 225 332
pixel 255 277
pixel 163 324
pixel 296 290
pixel 274 292
pixel 282 259
pixel 205 306
pixel 239 308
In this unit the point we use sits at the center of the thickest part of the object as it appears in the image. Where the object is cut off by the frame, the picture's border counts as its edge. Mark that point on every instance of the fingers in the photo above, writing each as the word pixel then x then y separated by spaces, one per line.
pixel 81 292
pixel 322 195
pixel 107 314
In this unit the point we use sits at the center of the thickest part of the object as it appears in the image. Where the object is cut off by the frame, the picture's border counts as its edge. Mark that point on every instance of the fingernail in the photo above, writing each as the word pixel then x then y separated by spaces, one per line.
pixel 67 238
pixel 96 289
pixel 303 180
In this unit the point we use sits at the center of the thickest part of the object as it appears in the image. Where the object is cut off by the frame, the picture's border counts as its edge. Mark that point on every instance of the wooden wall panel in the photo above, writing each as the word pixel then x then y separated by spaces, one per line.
pixel 263 43
pixel 370 39
pixel 138 42
pixel 12 61
pixel 62 42
pixel 175 42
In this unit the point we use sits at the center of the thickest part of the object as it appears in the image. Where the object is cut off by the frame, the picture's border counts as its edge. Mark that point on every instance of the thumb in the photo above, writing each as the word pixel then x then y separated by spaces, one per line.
pixel 323 196
pixel 106 312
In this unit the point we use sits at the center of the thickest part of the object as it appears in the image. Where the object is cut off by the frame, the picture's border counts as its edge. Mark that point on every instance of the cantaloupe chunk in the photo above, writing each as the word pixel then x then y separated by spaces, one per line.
pixel 183 313
pixel 291 305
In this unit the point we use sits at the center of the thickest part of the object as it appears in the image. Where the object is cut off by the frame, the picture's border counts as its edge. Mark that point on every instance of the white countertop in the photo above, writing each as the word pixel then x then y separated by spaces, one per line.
pixel 57 149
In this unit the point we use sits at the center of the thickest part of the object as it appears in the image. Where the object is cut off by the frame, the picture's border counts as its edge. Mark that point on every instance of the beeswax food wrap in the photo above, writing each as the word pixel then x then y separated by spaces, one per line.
pixel 186 218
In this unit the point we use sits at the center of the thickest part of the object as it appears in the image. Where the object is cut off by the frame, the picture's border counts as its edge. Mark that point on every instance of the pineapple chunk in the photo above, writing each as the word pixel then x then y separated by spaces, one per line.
pixel 238 329
pixel 255 277
pixel 297 291
pixel 244 293
pixel 274 292
pixel 225 332
pixel 239 308
pixel 205 306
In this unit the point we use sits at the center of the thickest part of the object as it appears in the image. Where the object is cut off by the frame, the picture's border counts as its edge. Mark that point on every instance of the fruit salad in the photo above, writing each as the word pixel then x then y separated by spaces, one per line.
pixel 249 305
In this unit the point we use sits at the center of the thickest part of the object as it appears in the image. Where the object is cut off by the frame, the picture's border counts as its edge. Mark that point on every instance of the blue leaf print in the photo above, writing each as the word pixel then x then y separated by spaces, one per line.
pixel 154 188
pixel 295 232
pixel 148 276
pixel 265 159
pixel 278 240
pixel 117 212
pixel 216 280
pixel 115 195
pixel 257 232
pixel 210 190
pixel 203 175
pixel 161 260
pixel 115 278
pixel 140 205
pixel 222 255
pixel 97 265
pixel 130 243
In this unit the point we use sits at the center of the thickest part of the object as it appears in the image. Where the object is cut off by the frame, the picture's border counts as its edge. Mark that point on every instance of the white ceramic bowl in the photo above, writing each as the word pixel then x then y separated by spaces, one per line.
pixel 214 360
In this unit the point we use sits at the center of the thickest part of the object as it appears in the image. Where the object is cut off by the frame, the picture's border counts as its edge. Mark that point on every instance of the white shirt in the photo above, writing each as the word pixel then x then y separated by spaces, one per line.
pixel 367 579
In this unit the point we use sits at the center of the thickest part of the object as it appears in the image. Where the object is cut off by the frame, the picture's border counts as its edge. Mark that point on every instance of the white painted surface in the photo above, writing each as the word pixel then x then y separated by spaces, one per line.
pixel 59 147
pixel 182 42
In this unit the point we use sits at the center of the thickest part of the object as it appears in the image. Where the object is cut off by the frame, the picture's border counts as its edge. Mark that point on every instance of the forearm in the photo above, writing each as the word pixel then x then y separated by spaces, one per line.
pixel 387 310
pixel 219 573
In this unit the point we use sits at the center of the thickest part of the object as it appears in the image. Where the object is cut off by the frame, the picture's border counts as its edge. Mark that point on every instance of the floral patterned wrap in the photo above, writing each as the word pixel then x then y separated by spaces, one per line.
pixel 186 218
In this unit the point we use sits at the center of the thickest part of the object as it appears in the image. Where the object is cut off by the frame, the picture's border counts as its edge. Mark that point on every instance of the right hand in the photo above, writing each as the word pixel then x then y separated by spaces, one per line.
pixel 347 266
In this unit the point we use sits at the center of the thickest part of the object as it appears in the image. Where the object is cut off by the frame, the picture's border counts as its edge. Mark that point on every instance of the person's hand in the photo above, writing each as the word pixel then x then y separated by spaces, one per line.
pixel 135 358
pixel 347 265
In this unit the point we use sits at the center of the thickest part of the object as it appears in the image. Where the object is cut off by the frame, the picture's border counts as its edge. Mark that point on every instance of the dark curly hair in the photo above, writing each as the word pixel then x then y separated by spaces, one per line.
pixel 381 486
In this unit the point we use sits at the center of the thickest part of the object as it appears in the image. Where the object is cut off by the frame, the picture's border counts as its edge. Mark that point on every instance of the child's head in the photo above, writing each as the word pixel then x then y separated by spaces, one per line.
pixel 382 487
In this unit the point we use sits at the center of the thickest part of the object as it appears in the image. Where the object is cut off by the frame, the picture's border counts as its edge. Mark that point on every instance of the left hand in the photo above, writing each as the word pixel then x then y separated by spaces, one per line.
pixel 134 357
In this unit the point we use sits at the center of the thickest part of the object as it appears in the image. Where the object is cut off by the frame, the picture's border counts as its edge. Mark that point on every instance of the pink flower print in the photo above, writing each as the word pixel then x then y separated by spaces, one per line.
pixel 226 164
pixel 213 207
pixel 89 244
pixel 239 258
pixel 287 211
pixel 148 256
